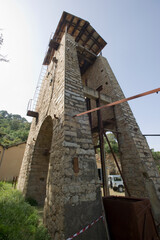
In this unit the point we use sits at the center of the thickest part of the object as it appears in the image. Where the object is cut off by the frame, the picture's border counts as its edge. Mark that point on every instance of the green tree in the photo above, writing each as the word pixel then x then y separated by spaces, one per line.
pixel 13 128
pixel 113 143
pixel 156 156
pixel 14 124
pixel 3 114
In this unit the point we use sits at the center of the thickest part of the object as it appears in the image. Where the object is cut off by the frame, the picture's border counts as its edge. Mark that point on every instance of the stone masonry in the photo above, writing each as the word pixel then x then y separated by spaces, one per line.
pixel 60 153
pixel 138 166
pixel 59 167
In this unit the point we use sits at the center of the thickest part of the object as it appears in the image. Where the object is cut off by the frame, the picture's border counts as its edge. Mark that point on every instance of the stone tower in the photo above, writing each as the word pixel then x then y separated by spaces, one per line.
pixel 59 167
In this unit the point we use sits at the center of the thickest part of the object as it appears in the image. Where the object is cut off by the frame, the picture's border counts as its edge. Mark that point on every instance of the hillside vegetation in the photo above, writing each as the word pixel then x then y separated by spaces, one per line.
pixel 13 128
pixel 18 219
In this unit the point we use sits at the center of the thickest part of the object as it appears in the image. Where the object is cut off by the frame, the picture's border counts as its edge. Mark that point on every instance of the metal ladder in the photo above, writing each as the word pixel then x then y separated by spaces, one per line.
pixel 31 108
pixel 33 102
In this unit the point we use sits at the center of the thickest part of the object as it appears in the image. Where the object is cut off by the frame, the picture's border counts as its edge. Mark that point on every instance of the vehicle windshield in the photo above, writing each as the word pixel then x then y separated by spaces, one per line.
pixel 117 179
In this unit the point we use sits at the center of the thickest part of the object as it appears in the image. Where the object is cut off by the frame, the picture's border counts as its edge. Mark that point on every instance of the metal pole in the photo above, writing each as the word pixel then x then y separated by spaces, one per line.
pixel 151 135
pixel 120 101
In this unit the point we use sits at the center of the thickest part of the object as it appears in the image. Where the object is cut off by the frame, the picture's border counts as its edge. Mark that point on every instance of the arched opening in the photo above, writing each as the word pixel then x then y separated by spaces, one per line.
pixel 40 163
pixel 115 181
pixel 114 168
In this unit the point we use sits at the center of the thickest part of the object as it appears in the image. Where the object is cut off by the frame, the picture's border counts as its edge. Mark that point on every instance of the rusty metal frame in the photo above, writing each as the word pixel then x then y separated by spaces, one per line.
pixel 151 135
pixel 119 101
pixel 102 133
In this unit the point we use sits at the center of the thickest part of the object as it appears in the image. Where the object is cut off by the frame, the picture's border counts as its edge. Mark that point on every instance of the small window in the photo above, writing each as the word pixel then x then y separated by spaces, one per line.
pixel 117 179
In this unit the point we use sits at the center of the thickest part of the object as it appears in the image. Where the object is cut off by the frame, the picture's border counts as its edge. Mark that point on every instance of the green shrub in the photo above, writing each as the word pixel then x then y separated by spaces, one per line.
pixel 1 185
pixel 42 234
pixel 18 219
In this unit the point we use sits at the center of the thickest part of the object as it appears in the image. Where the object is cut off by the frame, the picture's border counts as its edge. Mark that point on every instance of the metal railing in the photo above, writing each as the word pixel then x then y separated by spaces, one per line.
pixel 33 102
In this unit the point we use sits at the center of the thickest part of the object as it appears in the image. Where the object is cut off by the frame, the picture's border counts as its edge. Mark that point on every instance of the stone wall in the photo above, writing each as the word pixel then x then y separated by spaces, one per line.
pixel 63 145
pixel 59 166
pixel 138 166
pixel 85 185
pixel 46 106
pixel 110 163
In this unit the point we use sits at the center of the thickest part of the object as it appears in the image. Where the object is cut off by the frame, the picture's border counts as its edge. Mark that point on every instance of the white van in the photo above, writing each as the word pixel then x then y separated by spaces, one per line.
pixel 116 183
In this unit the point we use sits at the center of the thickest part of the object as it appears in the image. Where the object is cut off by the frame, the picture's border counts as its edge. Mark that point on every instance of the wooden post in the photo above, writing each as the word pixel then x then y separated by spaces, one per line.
pixel 88 103
pixel 101 141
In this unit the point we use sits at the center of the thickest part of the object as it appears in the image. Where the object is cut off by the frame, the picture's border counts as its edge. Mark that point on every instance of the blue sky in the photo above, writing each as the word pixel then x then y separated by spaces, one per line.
pixel 130 27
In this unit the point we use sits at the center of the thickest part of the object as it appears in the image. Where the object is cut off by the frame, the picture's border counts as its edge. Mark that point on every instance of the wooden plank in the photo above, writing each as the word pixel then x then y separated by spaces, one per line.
pixel 93 94
pixel 32 114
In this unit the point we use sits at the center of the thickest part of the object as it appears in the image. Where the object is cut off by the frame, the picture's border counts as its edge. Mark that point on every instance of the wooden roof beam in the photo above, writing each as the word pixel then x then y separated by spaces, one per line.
pixel 89 36
pixel 82 49
pixel 76 27
pixel 109 122
pixel 95 41
pixel 32 114
pixel 82 31
pixel 83 57
pixel 70 23
pixel 93 94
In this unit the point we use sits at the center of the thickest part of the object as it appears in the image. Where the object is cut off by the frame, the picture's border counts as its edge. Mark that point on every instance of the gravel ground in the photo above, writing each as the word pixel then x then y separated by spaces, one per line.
pixel 114 193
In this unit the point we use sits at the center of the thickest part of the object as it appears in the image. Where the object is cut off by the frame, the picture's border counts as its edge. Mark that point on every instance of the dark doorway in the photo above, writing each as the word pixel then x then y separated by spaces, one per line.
pixel 40 162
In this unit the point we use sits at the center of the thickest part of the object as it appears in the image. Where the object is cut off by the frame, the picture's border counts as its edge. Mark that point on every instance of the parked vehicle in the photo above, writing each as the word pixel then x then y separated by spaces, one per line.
pixel 116 183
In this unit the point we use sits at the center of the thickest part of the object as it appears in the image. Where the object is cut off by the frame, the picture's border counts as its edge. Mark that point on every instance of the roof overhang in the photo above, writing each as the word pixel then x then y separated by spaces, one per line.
pixel 81 30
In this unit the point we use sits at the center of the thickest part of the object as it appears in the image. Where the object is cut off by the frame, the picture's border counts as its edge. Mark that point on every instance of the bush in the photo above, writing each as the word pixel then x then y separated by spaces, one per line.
pixel 42 234
pixel 18 220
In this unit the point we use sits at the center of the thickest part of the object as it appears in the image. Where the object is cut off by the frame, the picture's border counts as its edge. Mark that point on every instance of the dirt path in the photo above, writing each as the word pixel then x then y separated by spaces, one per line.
pixel 114 193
